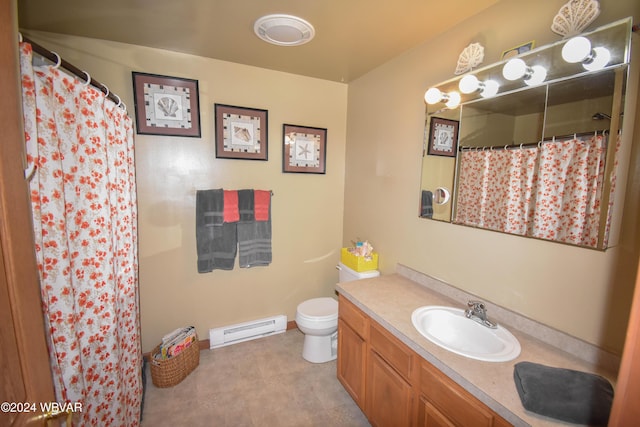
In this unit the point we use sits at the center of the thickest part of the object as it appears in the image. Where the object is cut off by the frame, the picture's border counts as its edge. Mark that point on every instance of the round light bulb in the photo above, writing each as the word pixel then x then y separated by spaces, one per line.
pixel 454 99
pixel 514 69
pixel 576 50
pixel 538 74
pixel 469 84
pixel 433 95
pixel 490 89
pixel 601 58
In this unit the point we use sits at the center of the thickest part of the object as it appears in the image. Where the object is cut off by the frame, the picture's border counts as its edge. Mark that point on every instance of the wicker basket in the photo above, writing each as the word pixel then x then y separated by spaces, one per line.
pixel 169 372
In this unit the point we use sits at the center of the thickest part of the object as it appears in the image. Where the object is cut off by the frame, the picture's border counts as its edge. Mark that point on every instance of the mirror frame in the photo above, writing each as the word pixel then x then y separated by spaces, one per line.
pixel 616 36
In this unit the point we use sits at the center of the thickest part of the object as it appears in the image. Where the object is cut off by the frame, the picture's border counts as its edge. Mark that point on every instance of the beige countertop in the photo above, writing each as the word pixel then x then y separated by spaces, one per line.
pixel 391 299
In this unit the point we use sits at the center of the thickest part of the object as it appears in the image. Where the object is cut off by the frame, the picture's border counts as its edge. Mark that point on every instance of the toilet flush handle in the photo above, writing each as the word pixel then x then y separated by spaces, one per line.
pixel 338 267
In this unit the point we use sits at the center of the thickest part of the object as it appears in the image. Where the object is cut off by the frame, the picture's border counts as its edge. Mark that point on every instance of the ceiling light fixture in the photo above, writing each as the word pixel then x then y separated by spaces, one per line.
pixel 284 30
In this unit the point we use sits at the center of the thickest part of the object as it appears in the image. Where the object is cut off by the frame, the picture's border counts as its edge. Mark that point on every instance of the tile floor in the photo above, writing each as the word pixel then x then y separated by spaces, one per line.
pixel 259 383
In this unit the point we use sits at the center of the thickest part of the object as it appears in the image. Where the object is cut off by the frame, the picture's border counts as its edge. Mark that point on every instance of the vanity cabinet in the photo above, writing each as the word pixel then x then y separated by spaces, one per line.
pixel 394 386
pixel 353 330
pixel 389 392
pixel 444 403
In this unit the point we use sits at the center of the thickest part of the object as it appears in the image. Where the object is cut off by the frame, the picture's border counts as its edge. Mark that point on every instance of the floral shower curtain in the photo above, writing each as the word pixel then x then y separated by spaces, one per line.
pixel 496 188
pixel 83 199
pixel 550 191
pixel 569 190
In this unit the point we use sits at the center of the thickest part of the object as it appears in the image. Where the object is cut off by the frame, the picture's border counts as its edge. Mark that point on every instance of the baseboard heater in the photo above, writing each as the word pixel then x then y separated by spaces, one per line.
pixel 232 334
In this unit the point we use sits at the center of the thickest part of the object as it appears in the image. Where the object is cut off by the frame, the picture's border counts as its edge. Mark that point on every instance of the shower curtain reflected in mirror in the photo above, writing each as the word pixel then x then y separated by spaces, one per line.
pixel 83 198
pixel 551 190
pixel 495 190
pixel 569 190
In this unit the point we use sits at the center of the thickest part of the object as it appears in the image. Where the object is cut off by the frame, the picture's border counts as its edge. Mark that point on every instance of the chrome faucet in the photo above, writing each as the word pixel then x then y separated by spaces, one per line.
pixel 478 313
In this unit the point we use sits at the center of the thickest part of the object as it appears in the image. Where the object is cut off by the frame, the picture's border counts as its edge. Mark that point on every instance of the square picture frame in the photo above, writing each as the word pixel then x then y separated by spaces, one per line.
pixel 304 149
pixel 164 105
pixel 443 137
pixel 241 132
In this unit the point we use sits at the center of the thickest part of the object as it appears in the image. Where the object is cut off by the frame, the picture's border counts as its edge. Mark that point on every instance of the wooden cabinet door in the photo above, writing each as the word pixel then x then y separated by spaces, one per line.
pixel 389 397
pixel 430 416
pixel 625 410
pixel 26 375
pixel 453 402
pixel 352 352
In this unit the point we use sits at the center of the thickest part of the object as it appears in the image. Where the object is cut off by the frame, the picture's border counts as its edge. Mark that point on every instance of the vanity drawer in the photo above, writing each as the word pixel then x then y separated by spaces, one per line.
pixel 398 355
pixel 353 316
pixel 452 400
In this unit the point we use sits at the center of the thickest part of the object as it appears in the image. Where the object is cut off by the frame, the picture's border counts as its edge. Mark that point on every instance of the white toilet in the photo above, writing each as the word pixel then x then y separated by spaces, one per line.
pixel 317 318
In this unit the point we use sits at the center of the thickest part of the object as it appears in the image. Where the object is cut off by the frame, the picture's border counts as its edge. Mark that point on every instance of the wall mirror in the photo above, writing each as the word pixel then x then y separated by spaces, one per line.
pixel 536 149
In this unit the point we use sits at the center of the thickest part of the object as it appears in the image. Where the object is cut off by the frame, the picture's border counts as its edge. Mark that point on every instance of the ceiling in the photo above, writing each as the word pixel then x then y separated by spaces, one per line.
pixel 352 37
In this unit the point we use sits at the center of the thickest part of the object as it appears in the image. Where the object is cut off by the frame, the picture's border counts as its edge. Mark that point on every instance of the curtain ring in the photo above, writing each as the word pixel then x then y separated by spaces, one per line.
pixel 124 106
pixel 29 171
pixel 58 60
pixel 521 146
pixel 119 100
pixel 106 88
pixel 88 79
pixel 20 37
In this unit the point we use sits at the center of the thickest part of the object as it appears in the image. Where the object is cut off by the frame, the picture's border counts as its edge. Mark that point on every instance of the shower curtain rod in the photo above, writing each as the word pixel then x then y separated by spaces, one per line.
pixel 530 144
pixel 82 75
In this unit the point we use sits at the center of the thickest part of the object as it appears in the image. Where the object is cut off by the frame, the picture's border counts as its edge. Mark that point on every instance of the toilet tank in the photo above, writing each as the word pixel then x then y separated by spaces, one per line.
pixel 348 275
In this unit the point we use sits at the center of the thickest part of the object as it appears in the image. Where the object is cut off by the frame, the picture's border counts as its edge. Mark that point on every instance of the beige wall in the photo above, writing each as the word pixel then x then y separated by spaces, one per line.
pixel 583 292
pixel 307 209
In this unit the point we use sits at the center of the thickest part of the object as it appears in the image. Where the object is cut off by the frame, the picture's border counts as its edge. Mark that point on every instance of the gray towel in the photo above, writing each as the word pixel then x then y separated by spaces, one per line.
pixel 245 205
pixel 209 207
pixel 564 394
pixel 216 241
pixel 254 237
pixel 426 205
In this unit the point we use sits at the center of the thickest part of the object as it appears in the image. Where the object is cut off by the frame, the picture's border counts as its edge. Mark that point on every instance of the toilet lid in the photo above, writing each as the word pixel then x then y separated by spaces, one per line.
pixel 319 308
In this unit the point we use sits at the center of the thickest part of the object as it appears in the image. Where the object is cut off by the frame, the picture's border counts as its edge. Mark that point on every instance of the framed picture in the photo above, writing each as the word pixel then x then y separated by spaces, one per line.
pixel 241 133
pixel 166 105
pixel 515 51
pixel 304 149
pixel 443 137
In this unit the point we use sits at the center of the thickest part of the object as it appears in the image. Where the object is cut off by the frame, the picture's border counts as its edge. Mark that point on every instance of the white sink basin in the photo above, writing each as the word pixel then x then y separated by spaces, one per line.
pixel 450 329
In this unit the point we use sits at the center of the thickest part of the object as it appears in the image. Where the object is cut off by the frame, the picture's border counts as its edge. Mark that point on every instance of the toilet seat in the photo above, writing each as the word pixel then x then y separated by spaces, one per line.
pixel 318 309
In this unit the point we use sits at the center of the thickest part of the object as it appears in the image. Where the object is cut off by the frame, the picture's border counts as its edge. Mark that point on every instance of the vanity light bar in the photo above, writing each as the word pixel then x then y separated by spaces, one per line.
pixel 517 74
